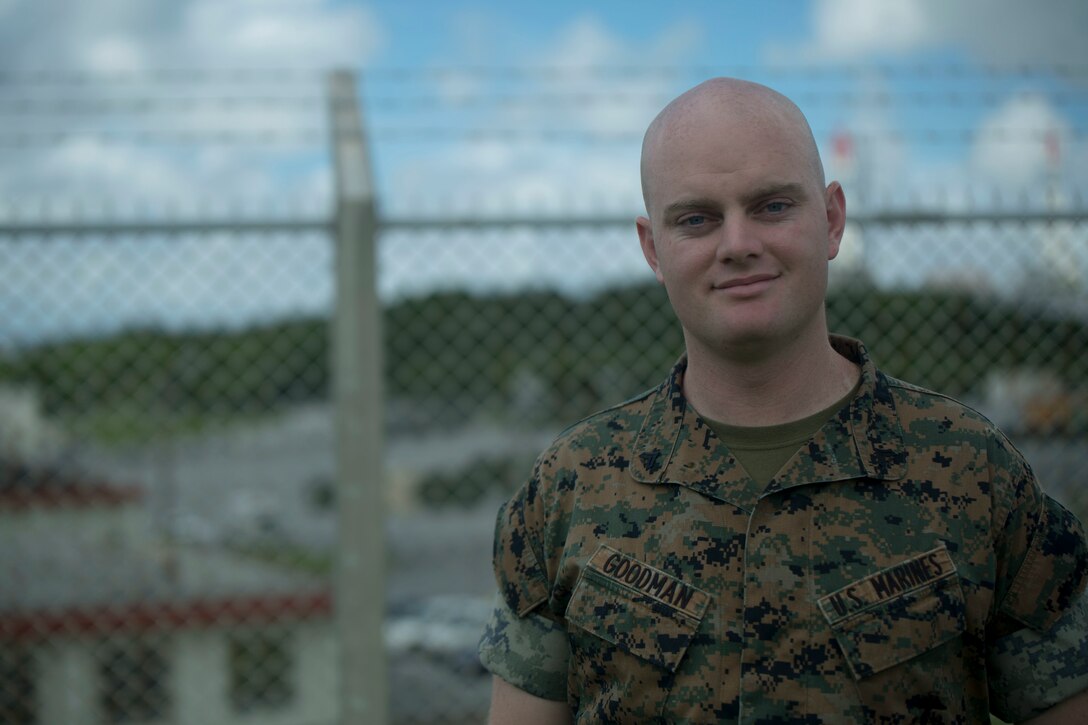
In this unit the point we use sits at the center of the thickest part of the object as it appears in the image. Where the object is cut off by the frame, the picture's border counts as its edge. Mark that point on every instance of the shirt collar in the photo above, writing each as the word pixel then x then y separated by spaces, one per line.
pixel 863 440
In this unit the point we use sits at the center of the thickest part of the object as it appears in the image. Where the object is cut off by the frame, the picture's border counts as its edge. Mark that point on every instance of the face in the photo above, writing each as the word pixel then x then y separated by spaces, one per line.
pixel 741 233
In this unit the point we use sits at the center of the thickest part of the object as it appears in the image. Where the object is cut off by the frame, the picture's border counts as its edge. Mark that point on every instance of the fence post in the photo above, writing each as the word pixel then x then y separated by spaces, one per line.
pixel 357 394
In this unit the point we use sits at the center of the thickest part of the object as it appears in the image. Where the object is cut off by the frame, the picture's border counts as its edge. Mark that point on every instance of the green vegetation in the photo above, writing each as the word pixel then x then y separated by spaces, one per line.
pixel 949 341
pixel 455 356
pixel 186 373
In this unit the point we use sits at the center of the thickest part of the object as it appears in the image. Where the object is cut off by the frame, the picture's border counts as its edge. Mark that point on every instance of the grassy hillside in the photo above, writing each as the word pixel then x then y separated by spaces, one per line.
pixel 472 354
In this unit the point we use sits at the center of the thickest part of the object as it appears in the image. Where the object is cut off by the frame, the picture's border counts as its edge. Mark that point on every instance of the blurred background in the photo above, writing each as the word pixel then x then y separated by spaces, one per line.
pixel 292 292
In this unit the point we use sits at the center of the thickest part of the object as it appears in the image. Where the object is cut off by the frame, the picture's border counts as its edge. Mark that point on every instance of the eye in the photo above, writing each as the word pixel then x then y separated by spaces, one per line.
pixel 776 207
pixel 695 220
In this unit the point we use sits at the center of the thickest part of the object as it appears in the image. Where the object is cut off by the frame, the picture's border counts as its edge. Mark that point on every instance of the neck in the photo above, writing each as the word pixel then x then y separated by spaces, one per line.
pixel 768 387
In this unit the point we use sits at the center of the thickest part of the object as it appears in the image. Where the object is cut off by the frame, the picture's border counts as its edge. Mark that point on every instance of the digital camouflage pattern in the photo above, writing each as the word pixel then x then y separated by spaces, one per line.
pixel 1024 668
pixel 872 580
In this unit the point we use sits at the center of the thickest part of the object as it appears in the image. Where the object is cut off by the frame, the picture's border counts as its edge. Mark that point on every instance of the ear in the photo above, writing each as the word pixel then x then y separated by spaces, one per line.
pixel 649 248
pixel 836 217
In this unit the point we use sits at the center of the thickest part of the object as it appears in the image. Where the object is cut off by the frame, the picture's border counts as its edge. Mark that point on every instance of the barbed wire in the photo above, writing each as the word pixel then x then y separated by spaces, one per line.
pixel 544 135
pixel 41 77
pixel 38 77
pixel 24 106
pixel 77 104
pixel 442 134
pixel 919 70
pixel 217 137
pixel 86 106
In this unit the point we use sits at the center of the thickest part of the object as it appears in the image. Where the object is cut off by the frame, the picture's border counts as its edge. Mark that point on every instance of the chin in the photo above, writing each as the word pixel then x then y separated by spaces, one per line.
pixel 738 343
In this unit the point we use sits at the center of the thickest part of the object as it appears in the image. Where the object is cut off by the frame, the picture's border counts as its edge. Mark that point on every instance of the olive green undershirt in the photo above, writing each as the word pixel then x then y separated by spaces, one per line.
pixel 763 450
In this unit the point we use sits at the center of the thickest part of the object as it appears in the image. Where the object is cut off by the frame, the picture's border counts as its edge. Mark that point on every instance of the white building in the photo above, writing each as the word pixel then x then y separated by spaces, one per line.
pixel 102 623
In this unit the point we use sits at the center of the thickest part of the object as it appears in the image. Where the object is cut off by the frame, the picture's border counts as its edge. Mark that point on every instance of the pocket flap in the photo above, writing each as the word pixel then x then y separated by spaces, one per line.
pixel 897 613
pixel 638 608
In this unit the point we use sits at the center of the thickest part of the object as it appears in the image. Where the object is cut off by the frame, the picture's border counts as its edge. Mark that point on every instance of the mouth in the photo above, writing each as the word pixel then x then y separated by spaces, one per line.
pixel 750 282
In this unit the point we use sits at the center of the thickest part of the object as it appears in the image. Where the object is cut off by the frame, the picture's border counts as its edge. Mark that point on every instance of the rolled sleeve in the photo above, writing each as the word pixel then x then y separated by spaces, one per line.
pixel 524 643
pixel 1053 571
pixel 521 579
pixel 529 652
pixel 1032 670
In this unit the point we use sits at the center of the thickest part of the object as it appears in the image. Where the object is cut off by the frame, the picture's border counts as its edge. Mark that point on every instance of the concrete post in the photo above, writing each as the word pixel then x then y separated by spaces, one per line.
pixel 357 393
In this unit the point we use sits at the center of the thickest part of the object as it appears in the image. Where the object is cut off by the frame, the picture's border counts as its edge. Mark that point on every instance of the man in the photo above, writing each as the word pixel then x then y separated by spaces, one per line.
pixel 779 532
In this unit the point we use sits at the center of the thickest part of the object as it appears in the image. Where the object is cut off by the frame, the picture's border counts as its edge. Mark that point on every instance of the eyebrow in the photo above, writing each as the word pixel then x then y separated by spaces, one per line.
pixel 786 188
pixel 682 207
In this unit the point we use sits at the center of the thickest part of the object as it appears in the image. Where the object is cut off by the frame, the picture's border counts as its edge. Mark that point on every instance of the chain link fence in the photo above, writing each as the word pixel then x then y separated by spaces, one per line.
pixel 168 480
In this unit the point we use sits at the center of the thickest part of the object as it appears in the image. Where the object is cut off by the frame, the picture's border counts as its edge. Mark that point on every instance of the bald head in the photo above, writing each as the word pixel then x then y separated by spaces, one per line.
pixel 720 104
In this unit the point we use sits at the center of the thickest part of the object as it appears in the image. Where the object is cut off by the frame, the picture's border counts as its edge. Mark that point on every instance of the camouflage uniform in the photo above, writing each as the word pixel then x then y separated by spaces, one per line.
pixel 903 566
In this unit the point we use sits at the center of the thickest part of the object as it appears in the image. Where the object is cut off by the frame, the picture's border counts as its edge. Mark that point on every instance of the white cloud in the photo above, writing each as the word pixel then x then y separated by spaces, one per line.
pixel 850 28
pixel 584 44
pixel 992 31
pixel 510 178
pixel 1006 148
pixel 454 87
pixel 1012 31
pixel 91 166
pixel 1021 142
pixel 1008 156
pixel 280 33
pixel 130 35
pixel 615 105
pixel 503 177
pixel 120 37
pixel 113 54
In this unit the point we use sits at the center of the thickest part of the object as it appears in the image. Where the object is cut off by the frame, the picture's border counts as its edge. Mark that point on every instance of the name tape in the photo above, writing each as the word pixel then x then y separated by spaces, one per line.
pixel 886 584
pixel 648 580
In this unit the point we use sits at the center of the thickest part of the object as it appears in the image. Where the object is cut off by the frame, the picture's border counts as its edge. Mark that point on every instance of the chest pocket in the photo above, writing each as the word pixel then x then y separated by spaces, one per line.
pixel 897 613
pixel 630 626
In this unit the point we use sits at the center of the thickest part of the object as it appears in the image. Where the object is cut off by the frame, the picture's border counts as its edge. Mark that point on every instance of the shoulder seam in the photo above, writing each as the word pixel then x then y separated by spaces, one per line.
pixel 605 411
pixel 894 382
pixel 994 431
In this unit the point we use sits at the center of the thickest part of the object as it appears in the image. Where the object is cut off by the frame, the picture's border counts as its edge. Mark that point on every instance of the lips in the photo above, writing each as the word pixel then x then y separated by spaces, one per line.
pixel 741 282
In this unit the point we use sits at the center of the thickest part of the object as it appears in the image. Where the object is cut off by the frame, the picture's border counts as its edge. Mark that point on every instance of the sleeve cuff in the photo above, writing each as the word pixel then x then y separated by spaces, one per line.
pixel 529 652
pixel 1031 671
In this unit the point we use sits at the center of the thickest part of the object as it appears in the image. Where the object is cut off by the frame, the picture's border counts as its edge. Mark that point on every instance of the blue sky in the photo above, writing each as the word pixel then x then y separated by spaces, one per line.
pixel 937 138
pixel 767 40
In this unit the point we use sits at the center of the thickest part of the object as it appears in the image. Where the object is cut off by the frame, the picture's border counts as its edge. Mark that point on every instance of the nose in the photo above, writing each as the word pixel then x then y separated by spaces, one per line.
pixel 738 240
